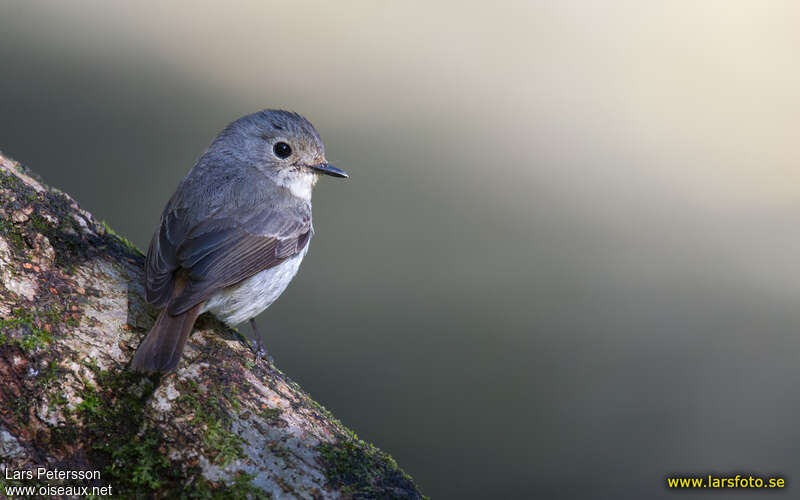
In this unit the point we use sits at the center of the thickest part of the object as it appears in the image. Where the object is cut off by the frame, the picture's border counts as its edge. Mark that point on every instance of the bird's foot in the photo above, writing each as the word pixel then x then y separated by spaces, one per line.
pixel 260 352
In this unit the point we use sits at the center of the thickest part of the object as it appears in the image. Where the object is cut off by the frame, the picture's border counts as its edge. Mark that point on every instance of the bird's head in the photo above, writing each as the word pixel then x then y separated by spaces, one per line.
pixel 283 145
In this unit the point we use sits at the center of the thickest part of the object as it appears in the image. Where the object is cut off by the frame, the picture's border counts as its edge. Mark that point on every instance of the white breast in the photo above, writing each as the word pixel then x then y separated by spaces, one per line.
pixel 247 299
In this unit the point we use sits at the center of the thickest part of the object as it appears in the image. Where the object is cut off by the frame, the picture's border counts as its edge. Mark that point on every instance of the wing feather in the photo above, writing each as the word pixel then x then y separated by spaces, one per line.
pixel 226 246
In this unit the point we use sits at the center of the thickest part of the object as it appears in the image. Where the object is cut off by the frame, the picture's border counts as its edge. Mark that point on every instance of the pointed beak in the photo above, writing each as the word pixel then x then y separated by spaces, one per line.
pixel 328 169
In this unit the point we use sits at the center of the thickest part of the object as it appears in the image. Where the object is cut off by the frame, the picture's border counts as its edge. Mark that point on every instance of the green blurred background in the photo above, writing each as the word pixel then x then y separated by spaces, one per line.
pixel 565 263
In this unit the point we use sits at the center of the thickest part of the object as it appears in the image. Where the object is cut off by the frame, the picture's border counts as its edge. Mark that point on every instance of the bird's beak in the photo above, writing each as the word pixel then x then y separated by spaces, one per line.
pixel 328 169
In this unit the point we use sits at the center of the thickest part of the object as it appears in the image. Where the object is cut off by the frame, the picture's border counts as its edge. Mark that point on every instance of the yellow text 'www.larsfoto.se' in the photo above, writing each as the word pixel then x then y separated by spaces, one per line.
pixel 711 482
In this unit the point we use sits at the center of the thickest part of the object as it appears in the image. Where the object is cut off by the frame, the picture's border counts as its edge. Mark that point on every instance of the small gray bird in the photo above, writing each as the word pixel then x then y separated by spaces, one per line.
pixel 234 233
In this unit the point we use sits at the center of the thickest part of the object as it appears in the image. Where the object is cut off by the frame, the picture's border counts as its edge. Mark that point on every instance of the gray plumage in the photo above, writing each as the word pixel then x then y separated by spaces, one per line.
pixel 233 235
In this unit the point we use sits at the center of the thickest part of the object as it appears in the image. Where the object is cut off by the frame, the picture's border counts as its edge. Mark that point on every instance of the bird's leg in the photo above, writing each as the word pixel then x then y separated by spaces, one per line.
pixel 258 348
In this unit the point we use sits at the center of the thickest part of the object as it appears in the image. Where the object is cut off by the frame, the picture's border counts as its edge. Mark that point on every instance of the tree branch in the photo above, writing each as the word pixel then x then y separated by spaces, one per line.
pixel 71 315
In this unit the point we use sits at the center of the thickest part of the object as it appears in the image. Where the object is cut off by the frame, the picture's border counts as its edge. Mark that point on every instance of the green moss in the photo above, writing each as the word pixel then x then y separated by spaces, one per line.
pixel 27 326
pixel 48 375
pixel 232 397
pixel 91 404
pixel 10 181
pixel 64 435
pixel 208 409
pixel 222 444
pixel 141 463
pixel 5 483
pixel 39 223
pixel 357 468
pixel 242 487
pixel 71 243
pixel 363 471
pixel 32 336
pixel 271 414
pixel 53 316
pixel 128 451
pixel 13 235
pixel 21 407
pixel 122 446
pixel 133 248
pixel 59 400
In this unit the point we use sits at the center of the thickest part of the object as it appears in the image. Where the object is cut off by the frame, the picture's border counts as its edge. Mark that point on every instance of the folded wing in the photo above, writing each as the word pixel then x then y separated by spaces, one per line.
pixel 227 246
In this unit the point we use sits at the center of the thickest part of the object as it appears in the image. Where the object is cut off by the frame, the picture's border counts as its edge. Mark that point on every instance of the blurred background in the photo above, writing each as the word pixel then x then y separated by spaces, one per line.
pixel 565 263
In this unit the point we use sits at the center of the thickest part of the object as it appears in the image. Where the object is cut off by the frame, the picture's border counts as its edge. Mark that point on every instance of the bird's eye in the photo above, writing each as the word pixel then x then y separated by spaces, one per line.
pixel 282 150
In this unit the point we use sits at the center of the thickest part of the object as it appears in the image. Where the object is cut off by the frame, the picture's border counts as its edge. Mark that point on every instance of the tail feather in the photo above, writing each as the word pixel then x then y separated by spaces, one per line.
pixel 162 348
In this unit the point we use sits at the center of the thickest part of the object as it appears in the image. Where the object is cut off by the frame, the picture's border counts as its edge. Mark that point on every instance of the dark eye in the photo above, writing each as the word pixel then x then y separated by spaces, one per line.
pixel 282 150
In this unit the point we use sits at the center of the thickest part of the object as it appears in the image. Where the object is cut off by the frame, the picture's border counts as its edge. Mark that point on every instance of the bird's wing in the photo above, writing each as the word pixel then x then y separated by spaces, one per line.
pixel 161 262
pixel 226 247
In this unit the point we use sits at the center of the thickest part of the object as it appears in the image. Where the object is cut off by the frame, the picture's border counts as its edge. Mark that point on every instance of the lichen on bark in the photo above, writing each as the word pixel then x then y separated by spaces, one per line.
pixel 221 426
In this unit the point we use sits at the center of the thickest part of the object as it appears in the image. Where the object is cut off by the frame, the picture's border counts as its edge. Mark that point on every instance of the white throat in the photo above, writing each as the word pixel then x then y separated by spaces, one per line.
pixel 299 183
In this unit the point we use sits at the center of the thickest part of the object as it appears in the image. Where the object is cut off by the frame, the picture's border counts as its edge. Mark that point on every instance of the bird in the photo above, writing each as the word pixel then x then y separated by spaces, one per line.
pixel 234 233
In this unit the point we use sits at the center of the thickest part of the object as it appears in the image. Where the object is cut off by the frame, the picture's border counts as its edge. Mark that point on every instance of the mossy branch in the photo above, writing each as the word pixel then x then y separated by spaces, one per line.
pixel 71 315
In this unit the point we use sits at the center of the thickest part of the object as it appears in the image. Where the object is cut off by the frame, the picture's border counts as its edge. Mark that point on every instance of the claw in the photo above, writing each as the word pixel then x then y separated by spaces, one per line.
pixel 259 351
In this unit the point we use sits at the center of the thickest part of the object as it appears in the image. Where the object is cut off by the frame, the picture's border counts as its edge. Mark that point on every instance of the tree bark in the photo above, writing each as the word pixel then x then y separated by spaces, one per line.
pixel 72 313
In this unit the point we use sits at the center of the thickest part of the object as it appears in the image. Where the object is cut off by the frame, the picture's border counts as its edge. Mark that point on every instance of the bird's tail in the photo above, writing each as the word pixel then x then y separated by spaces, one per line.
pixel 161 349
